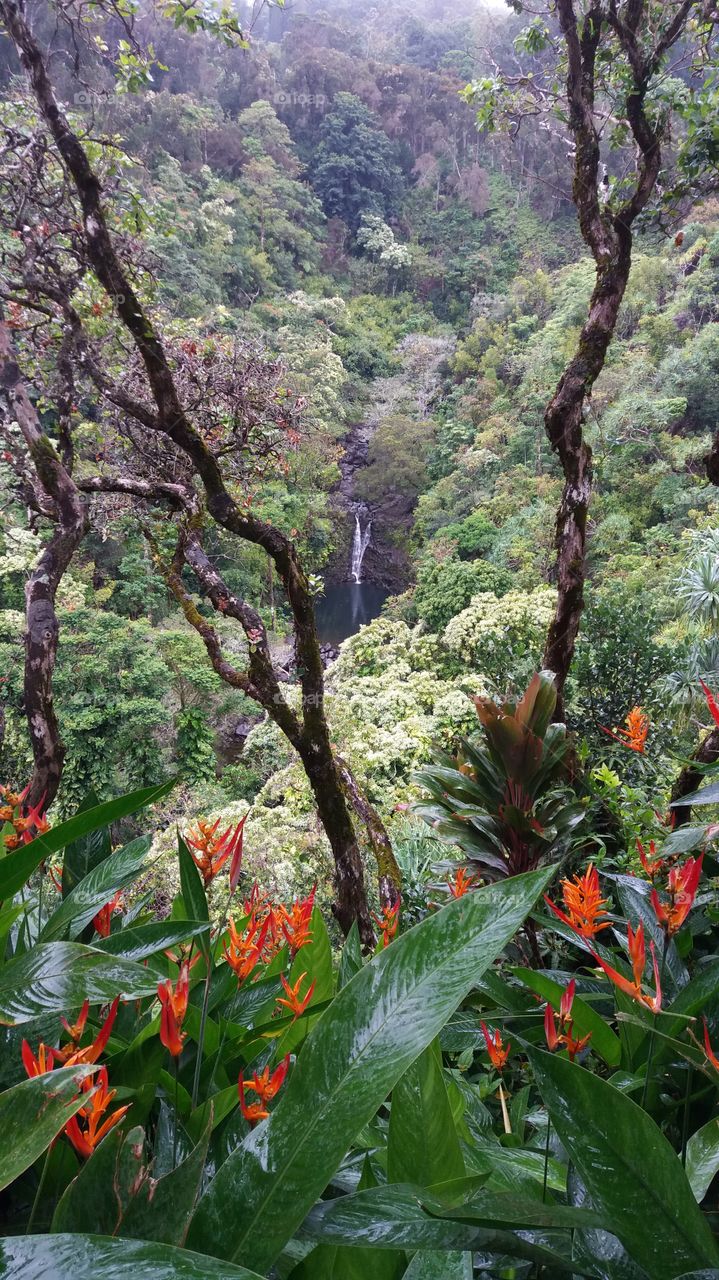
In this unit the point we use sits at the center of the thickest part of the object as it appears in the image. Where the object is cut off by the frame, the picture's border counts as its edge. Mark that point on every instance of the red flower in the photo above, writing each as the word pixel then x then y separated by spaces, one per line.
pixel 40 1064
pixel 584 903
pixel 266 1086
pixel 652 865
pixel 87 1128
pixel 711 1056
pixel 498 1052
pixel 243 951
pixel 711 702
pixel 210 851
pixel 174 1007
pixel 461 882
pixel 638 957
pixel 103 920
pixel 295 1003
pixel 92 1051
pixel 682 888
pixel 388 922
pixel 296 923
pixel 566 1038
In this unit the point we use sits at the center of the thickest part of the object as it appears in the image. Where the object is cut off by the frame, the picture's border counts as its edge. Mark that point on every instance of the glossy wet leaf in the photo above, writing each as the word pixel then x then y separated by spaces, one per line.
pixel 97 888
pixel 86 1257
pixel 423 1146
pixel 149 939
pixel 351 958
pixel 15 871
pixel 364 1042
pixel 634 1178
pixel 193 890
pixel 702 1163
pixel 434 1265
pixel 58 976
pixel 32 1113
pixel 84 854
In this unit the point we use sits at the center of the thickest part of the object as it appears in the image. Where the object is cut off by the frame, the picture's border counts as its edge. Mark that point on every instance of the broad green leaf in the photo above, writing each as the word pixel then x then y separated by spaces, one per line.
pixel 705 795
pixel 699 992
pixel 351 958
pixel 365 1041
pixel 423 1146
pixel 117 1192
pixel 15 870
pixel 507 1210
pixel 433 1265
pixel 86 1257
pixel 193 891
pixel 512 1168
pixel 84 854
pixel 585 1018
pixel 97 888
pixel 703 1158
pixel 684 839
pixel 58 976
pixel 147 939
pixel 633 1176
pixel 32 1113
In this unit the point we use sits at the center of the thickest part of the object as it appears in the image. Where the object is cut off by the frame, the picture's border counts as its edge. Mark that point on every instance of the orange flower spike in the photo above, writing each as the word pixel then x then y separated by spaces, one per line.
pixel 92 1052
pixel 388 922
pixel 550 1029
pixel 211 851
pixel 252 1111
pixel 584 904
pixel 174 1007
pixel 296 925
pixel 635 735
pixel 637 955
pixel 37 1064
pixel 87 1128
pixel 235 852
pixel 243 952
pixel 295 1003
pixel 75 1031
pixel 103 920
pixel 682 888
pixel 711 1056
pixel 267 1086
pixel 497 1050
pixel 575 1046
pixel 652 865
pixel 460 883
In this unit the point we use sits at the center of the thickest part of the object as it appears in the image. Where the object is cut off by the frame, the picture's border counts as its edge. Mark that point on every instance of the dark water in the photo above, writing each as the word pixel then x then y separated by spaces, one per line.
pixel 343 609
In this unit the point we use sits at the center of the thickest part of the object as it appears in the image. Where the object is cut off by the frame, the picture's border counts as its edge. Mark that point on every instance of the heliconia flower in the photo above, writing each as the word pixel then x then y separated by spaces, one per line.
pixel 711 702
pixel 554 1039
pixel 388 922
pixel 498 1052
pixel 174 1007
pixel 92 1052
pixel 682 888
pixel 550 1029
pixel 652 864
pixel 295 1003
pixel 296 923
pixel 266 1086
pixel 75 1031
pixel 211 851
pixel 243 951
pixel 87 1128
pixel 638 957
pixel 183 955
pixel 711 1056
pixel 37 1064
pixel 103 920
pixel 55 877
pixel 635 734
pixel 584 904
pixel 461 882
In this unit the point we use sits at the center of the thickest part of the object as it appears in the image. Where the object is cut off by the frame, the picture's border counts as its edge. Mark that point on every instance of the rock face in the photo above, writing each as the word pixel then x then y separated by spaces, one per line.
pixel 411 391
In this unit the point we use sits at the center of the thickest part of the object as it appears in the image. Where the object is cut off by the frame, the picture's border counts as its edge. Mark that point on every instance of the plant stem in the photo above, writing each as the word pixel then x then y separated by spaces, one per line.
pixel 205 1005
pixel 39 905
pixel 546 1159
pixel 175 1116
pixel 685 1120
pixel 38 1193
pixel 652 1036
pixel 505 1113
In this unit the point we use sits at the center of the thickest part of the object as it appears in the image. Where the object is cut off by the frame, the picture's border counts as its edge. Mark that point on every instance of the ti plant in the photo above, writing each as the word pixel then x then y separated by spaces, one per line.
pixel 500 797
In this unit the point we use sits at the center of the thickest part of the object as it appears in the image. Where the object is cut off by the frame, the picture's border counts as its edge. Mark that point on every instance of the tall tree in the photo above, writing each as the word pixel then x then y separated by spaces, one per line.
pixel 605 77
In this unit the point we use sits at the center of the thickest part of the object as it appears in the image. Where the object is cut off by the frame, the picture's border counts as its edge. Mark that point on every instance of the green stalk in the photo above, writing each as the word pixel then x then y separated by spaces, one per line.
pixel 546 1159
pixel 685 1119
pixel 38 1193
pixel 652 1035
pixel 39 905
pixel 205 1005
pixel 175 1115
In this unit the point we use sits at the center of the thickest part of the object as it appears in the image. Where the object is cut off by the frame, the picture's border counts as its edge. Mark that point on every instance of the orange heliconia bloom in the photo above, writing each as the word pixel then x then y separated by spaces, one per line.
pixel 652 864
pixel 296 922
pixel 71 1055
pixel 638 957
pixel 103 920
pixel 635 734
pixel 388 922
pixel 584 904
pixel 37 1064
pixel 27 821
pixel 498 1052
pixel 682 888
pixel 211 851
pixel 87 1128
pixel 295 1003
pixel 565 1036
pixel 243 951
pixel 461 882
pixel 174 1007
pixel 266 1086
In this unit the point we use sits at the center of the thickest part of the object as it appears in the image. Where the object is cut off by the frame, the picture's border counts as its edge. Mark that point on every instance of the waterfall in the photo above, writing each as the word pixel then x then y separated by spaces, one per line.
pixel 359 546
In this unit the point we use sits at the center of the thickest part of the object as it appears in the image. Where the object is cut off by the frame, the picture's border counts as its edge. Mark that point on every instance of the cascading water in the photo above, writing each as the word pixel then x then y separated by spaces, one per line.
pixel 359 546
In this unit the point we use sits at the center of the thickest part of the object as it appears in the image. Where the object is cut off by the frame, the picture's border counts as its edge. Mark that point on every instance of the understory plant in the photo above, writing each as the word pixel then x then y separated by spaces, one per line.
pixel 183 1099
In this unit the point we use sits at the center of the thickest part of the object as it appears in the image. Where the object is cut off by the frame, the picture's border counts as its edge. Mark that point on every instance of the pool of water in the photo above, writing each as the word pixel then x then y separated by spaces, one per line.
pixel 346 607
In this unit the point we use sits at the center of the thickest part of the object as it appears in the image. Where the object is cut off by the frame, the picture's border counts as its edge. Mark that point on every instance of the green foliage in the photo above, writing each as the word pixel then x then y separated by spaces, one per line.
pixel 445 587
pixel 354 166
